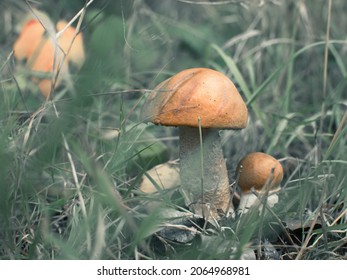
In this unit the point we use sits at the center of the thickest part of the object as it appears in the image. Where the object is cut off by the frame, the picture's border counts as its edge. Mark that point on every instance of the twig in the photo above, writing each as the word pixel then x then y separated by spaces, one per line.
pixel 74 19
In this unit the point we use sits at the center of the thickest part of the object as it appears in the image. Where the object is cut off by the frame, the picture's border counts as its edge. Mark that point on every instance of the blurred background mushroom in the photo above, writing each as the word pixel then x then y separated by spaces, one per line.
pixel 46 54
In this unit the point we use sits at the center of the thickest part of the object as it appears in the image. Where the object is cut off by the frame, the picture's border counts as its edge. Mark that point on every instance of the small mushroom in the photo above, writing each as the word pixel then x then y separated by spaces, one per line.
pixel 258 174
pixel 161 177
pixel 206 98
pixel 176 225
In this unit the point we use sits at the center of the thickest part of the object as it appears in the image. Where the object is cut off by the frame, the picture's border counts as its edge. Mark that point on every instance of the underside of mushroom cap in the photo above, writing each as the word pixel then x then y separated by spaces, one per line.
pixel 196 93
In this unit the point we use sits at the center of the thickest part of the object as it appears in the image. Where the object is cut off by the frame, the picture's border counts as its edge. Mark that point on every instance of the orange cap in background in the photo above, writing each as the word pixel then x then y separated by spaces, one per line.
pixel 46 54
pixel 29 39
pixel 71 43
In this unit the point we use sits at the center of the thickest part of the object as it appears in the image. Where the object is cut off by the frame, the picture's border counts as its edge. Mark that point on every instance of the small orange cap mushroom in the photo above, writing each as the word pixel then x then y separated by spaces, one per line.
pixel 258 169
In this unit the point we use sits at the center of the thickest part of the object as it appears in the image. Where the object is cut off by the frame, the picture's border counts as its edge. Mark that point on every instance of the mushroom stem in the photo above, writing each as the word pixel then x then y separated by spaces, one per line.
pixel 205 188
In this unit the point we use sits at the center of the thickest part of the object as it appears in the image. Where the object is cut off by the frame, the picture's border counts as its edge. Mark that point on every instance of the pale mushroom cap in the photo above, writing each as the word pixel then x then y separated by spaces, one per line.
pixel 164 176
pixel 193 93
pixel 255 170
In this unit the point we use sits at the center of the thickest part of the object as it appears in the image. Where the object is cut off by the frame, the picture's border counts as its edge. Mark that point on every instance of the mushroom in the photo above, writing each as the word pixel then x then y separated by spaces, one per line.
pixel 159 183
pixel 258 174
pixel 164 176
pixel 194 99
pixel 44 53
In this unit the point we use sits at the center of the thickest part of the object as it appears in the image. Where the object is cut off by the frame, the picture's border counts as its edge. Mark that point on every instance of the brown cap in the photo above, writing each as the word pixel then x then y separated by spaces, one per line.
pixel 193 93
pixel 254 171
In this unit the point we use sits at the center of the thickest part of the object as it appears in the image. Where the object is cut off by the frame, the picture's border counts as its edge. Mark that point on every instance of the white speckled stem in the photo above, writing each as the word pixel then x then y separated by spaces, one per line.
pixel 212 193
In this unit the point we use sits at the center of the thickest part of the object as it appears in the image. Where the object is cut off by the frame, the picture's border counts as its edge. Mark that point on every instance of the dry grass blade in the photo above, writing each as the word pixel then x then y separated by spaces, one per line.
pixel 79 15
pixel 79 193
pixel 308 237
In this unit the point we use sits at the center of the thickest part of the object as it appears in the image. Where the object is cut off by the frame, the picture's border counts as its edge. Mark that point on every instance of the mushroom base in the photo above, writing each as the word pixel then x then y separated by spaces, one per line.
pixel 250 199
pixel 203 172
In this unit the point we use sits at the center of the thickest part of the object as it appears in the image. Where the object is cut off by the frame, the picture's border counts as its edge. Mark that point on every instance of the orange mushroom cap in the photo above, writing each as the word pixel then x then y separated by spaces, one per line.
pixel 43 53
pixel 31 36
pixel 71 43
pixel 29 39
pixel 193 93
pixel 48 60
pixel 45 58
pixel 255 171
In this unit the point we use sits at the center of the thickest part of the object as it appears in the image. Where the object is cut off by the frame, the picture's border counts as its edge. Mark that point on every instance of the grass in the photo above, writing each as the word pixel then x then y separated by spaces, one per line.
pixel 70 166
